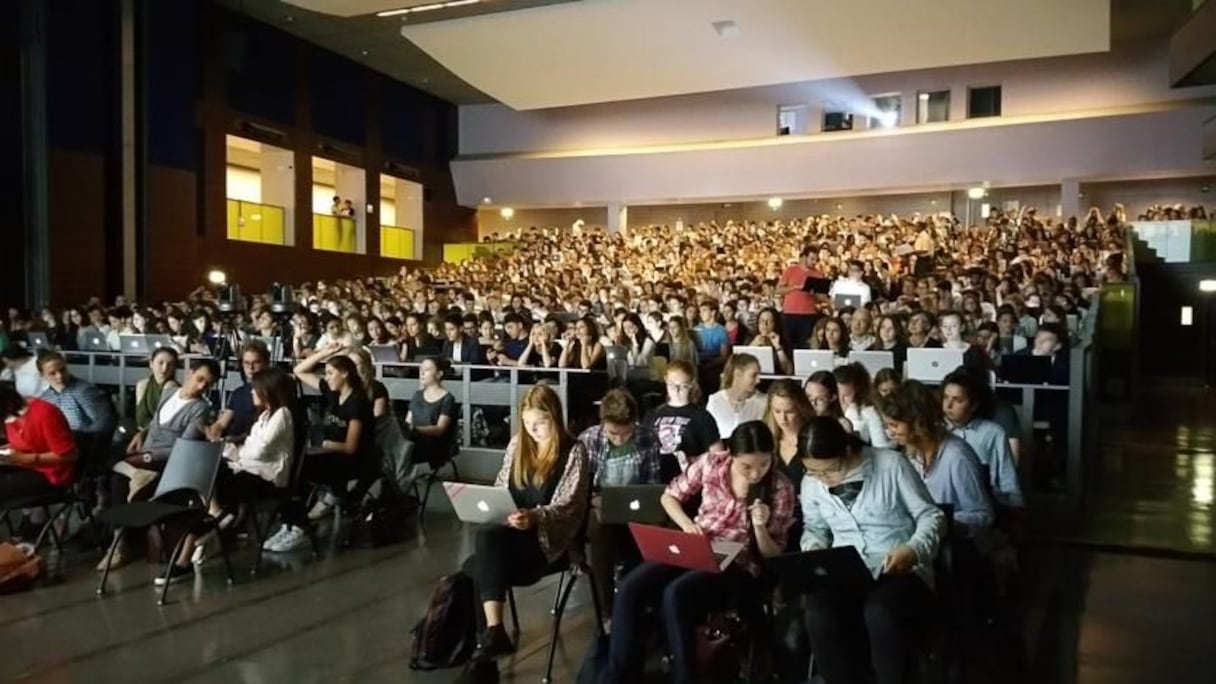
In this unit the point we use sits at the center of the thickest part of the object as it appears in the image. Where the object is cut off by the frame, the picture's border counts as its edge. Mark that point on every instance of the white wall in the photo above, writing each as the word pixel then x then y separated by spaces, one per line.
pixel 243 184
pixel 1031 87
pixel 1002 153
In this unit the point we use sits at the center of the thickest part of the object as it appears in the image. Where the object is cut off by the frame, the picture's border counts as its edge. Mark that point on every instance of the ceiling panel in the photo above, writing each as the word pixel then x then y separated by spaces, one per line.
pixel 610 50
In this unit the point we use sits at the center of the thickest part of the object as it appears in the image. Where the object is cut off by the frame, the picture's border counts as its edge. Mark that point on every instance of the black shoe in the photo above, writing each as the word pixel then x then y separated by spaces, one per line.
pixel 177 573
pixel 479 672
pixel 493 643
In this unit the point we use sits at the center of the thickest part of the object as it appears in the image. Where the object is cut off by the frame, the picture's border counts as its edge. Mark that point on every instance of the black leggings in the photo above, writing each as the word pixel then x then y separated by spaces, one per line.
pixel 503 557
pixel 237 488
pixel 20 483
pixel 889 614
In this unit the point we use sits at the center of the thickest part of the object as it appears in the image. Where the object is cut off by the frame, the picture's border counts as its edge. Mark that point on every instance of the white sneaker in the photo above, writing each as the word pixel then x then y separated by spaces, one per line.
pixel 275 538
pixel 320 510
pixel 292 540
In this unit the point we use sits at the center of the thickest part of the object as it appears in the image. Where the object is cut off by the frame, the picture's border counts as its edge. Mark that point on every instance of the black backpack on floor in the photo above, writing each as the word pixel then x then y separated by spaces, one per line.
pixel 447 634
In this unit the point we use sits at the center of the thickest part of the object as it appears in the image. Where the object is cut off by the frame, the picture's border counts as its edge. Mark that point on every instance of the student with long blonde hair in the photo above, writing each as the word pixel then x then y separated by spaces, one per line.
pixel 547 473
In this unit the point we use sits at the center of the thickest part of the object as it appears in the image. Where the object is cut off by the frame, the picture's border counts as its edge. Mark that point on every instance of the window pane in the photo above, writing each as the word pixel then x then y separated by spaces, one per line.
pixel 933 106
pixel 983 102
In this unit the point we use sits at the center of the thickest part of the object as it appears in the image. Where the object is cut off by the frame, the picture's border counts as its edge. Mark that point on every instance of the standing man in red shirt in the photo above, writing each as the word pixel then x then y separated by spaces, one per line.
pixel 799 309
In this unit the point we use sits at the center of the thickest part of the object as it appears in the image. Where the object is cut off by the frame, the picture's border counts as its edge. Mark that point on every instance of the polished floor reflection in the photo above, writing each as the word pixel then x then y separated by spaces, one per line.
pixel 1155 483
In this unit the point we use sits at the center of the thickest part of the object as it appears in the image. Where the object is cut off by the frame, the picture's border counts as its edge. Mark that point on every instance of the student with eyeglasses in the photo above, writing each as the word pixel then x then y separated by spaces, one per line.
pixel 684 428
pixel 873 500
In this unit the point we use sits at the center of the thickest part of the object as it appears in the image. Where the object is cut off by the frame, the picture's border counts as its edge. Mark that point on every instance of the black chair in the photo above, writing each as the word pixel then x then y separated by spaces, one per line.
pixel 182 498
pixel 568 568
pixel 287 503
pixel 424 481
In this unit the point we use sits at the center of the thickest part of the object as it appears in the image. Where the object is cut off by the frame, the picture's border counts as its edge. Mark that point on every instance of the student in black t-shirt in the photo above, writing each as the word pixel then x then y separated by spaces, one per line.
pixel 239 414
pixel 348 435
pixel 685 429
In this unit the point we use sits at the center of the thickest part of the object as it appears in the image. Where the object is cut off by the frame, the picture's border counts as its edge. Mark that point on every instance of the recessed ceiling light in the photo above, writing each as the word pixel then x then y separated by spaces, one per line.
pixel 363 52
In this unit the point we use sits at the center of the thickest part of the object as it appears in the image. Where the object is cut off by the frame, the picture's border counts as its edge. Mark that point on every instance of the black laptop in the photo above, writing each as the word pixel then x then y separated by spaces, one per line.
pixel 632 503
pixel 1025 369
pixel 840 568
pixel 817 285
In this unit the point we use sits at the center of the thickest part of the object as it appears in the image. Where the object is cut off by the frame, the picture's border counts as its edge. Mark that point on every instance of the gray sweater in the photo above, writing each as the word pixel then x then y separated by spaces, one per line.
pixel 185 424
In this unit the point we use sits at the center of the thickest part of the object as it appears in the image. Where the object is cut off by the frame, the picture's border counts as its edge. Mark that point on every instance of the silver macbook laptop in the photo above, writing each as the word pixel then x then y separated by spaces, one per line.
pixel 932 365
pixel 384 353
pixel 873 361
pixel 95 342
pixel 809 361
pixel 159 342
pixel 134 344
pixel 480 503
pixel 37 341
pixel 842 301
pixel 768 360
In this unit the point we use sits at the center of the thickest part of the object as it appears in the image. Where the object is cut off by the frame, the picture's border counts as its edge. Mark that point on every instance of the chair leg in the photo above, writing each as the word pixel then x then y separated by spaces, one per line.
pixel 557 595
pixel 105 571
pixel 177 551
pixel 595 601
pixel 48 529
pixel 514 617
pixel 563 595
pixel 219 541
pixel 86 514
pixel 426 496
pixel 259 537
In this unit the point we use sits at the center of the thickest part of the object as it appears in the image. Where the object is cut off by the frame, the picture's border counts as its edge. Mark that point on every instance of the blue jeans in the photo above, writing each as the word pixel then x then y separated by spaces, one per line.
pixel 683 599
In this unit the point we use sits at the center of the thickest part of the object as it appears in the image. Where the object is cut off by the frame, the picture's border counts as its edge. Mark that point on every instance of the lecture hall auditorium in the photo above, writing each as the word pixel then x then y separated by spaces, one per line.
pixel 608 341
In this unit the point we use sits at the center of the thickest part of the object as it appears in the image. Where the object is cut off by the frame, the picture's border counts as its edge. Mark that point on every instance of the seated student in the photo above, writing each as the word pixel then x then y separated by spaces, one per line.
pixel 432 416
pixel 458 348
pixel 768 334
pixel 417 341
pixel 21 369
pixel 788 411
pixel 255 468
pixel 376 390
pixel 738 401
pixel 41 453
pixel 966 405
pixel 583 348
pixel 684 428
pixel 948 465
pixel 743 499
pixel 88 408
pixel 549 477
pixel 620 452
pixel 515 340
pixel 161 380
pixel 873 500
pixel 890 334
pixel 824 395
pixel 239 413
pixel 885 382
pixel 853 384
pixel 348 444
pixel 713 344
pixel 179 415
pixel 681 343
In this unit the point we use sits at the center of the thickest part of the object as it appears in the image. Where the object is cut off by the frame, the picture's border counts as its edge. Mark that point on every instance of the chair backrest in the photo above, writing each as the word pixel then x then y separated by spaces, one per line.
pixel 190 471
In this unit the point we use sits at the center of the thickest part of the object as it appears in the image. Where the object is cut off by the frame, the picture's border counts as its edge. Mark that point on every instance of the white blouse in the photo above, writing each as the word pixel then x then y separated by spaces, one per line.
pixel 868 425
pixel 725 415
pixel 268 448
pixel 27 379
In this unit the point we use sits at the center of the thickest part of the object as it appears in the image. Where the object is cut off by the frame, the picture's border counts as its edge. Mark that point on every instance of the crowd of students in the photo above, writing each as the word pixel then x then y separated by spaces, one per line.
pixel 805 465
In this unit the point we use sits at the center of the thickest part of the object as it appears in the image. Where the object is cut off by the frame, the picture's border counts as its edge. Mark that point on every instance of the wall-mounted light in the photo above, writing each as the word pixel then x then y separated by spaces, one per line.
pixel 976 193
pixel 1207 285
pixel 506 212
pixel 217 277
pixel 1188 316
pixel 486 200
pixel 775 203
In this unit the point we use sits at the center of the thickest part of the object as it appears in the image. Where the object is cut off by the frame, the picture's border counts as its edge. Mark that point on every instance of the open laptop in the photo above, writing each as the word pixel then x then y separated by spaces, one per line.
pixel 840 568
pixel 133 344
pixel 765 355
pixel 683 550
pixel 809 361
pixel 873 361
pixel 384 353
pixel 95 342
pixel 632 504
pixel 159 342
pixel 842 301
pixel 616 361
pixel 817 285
pixel 1025 369
pixel 932 365
pixel 480 503
pixel 37 341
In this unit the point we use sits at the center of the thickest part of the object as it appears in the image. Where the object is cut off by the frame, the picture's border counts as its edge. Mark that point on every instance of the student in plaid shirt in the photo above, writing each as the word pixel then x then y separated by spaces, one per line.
pixel 621 453
pixel 743 499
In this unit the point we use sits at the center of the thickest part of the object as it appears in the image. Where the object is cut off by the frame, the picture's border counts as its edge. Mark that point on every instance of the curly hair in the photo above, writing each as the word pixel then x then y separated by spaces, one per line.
pixel 919 407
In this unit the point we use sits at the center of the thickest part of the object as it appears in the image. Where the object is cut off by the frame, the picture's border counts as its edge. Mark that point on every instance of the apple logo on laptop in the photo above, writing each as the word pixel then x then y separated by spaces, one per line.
pixel 483 506
pixel 675 550
pixel 821 571
pixel 635 505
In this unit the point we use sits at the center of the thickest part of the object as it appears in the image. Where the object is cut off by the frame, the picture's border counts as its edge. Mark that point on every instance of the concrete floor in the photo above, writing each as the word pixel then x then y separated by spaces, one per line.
pixel 1103 611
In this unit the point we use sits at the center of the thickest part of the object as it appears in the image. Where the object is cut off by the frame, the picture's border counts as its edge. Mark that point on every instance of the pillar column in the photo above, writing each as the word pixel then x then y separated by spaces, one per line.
pixel 35 166
pixel 618 218
pixel 1070 198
